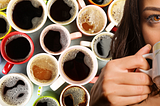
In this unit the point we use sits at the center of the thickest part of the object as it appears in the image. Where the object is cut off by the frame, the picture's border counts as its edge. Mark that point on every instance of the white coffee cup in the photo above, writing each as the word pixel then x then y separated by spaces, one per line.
pixel 37 22
pixel 42 70
pixel 98 42
pixel 154 73
pixel 77 94
pixel 116 8
pixel 62 11
pixel 20 89
pixel 91 20
pixel 81 79
pixel 54 46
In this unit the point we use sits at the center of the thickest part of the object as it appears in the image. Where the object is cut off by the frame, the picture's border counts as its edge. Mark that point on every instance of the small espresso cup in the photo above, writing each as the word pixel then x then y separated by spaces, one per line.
pixel 27 16
pixel 16 48
pixel 77 65
pixel 5 27
pixel 91 20
pixel 3 4
pixel 42 70
pixel 74 95
pixel 154 73
pixel 62 11
pixel 100 3
pixel 100 45
pixel 47 98
pixel 55 38
pixel 15 90
pixel 115 13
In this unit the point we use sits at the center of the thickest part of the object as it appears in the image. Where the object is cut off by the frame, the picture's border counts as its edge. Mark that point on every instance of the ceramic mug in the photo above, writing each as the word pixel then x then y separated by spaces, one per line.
pixel 100 45
pixel 16 90
pixel 16 48
pixel 55 38
pixel 77 65
pixel 26 16
pixel 42 70
pixel 100 3
pixel 115 13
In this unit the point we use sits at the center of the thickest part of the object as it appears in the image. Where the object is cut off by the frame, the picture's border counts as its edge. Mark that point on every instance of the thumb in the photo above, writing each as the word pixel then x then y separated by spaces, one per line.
pixel 144 50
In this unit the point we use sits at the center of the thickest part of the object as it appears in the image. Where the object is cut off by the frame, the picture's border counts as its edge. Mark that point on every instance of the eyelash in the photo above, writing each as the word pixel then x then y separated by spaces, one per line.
pixel 153 18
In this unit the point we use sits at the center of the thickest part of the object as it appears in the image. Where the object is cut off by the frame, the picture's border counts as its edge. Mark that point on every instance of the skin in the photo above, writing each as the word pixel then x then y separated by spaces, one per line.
pixel 118 85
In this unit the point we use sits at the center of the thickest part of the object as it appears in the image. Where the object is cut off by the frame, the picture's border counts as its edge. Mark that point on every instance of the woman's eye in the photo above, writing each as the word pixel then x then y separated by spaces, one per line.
pixel 153 18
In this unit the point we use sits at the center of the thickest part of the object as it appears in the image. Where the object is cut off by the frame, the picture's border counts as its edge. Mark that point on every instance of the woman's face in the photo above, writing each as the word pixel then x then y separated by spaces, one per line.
pixel 150 20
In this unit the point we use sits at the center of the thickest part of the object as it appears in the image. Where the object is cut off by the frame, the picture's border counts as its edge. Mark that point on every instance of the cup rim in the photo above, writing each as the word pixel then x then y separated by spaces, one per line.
pixel 102 11
pixel 3 53
pixel 109 12
pixel 47 29
pixel 100 5
pixel 72 85
pixel 65 22
pixel 110 34
pixel 26 80
pixel 30 76
pixel 92 74
pixel 46 97
pixel 9 17
pixel 10 28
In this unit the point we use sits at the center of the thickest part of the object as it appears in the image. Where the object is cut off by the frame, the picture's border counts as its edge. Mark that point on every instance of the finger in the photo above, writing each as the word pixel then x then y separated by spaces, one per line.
pixel 144 50
pixel 132 78
pixel 123 101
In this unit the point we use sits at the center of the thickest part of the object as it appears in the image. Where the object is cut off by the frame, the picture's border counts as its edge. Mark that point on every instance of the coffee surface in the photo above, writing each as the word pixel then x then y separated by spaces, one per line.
pixel 46 102
pixel 3 26
pixel 14 90
pixel 26 15
pixel 18 48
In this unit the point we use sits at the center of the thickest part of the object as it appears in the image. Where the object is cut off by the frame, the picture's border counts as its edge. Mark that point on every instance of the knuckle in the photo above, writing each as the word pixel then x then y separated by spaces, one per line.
pixel 140 58
pixel 143 78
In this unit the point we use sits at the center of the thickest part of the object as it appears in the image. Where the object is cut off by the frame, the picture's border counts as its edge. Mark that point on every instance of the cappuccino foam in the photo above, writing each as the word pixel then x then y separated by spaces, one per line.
pixel 14 90
pixel 4 3
pixel 91 20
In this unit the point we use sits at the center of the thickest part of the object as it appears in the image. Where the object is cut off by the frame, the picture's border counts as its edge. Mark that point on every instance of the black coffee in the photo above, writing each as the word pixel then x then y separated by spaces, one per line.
pixel 98 1
pixel 74 96
pixel 14 90
pixel 24 12
pixel 3 26
pixel 61 10
pixel 76 69
pixel 18 48
pixel 46 102
pixel 102 46
pixel 52 41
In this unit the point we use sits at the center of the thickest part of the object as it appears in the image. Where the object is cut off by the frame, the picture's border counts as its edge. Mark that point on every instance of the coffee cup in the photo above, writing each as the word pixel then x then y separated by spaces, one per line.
pixel 16 48
pixel 74 95
pixel 77 65
pixel 5 27
pixel 91 20
pixel 62 11
pixel 100 3
pixel 115 13
pixel 27 16
pixel 15 90
pixel 3 4
pixel 42 70
pixel 55 38
pixel 47 98
pixel 100 45
pixel 154 72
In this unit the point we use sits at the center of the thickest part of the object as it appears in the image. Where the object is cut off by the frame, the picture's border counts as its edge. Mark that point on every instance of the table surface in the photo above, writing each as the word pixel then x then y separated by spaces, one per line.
pixel 35 37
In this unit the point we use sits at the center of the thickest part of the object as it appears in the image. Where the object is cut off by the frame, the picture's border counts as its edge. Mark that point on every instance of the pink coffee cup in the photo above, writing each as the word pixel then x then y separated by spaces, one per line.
pixel 16 48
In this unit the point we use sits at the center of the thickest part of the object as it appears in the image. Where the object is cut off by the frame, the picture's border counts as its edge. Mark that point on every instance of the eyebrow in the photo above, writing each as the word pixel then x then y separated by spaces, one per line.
pixel 151 8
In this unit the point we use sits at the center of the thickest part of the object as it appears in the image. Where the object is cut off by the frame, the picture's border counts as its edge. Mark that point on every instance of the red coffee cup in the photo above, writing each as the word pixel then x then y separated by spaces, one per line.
pixel 16 48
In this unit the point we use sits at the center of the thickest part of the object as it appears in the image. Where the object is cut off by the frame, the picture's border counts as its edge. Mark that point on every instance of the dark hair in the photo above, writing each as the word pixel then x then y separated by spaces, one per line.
pixel 128 38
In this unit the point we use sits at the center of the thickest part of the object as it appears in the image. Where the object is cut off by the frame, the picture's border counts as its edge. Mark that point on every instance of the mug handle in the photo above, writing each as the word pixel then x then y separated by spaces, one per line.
pixel 75 35
pixel 110 27
pixel 40 90
pixel 60 81
pixel 85 43
pixel 81 4
pixel 148 72
pixel 7 68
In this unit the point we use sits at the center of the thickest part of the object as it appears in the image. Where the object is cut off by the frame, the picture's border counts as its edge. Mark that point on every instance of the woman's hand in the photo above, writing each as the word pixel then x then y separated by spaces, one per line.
pixel 118 85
